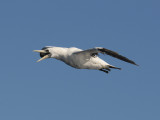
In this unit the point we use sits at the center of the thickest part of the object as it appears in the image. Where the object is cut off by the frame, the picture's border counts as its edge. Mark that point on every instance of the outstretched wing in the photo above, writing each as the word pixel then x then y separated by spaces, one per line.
pixel 95 51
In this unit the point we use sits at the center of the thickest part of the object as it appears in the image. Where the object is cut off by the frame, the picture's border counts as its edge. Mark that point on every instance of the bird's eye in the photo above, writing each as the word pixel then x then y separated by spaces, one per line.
pixel 47 51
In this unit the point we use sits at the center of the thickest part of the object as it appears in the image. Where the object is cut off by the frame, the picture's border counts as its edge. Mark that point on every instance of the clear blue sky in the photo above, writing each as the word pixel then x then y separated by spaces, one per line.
pixel 51 90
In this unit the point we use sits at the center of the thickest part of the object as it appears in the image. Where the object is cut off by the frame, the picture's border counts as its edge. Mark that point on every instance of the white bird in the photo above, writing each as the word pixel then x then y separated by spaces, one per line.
pixel 82 59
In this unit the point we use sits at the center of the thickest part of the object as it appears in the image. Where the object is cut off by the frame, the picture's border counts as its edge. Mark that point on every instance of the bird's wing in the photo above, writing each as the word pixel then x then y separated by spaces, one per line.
pixel 94 51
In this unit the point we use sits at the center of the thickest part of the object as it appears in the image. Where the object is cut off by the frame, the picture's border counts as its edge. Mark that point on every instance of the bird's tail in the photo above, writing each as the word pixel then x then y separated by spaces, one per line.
pixel 110 66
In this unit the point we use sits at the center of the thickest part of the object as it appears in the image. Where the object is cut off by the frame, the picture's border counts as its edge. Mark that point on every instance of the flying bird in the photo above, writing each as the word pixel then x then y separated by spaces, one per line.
pixel 82 59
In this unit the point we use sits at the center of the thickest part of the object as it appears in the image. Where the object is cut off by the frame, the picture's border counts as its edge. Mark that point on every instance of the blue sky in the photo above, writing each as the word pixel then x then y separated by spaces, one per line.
pixel 52 90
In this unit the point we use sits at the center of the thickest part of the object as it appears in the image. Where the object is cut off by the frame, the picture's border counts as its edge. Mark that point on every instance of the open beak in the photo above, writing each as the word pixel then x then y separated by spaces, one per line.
pixel 40 51
pixel 44 57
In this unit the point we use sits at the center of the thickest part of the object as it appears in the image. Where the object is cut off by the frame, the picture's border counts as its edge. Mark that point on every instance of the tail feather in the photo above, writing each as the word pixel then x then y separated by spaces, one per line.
pixel 110 66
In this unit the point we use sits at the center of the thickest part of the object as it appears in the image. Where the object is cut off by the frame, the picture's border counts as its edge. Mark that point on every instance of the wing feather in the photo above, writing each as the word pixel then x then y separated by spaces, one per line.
pixel 95 51
pixel 116 55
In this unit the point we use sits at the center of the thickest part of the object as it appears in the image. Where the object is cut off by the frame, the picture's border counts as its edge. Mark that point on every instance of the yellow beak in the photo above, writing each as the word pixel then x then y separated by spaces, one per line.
pixel 44 57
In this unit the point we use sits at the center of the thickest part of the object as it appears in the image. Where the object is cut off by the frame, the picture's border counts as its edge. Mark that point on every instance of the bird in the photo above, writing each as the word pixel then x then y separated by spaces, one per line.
pixel 82 59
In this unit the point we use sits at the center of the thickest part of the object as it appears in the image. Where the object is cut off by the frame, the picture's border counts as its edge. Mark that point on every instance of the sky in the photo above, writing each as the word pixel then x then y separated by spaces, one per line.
pixel 51 90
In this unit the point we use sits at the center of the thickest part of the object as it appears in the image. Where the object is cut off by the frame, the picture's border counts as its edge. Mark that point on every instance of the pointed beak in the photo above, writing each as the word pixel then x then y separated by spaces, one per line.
pixel 40 51
pixel 44 57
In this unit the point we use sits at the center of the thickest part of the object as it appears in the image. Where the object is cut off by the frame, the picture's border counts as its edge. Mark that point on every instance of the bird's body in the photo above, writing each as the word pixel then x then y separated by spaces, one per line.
pixel 81 59
pixel 72 57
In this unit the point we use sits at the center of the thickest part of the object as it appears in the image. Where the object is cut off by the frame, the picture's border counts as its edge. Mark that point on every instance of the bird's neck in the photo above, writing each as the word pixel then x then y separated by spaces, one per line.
pixel 59 53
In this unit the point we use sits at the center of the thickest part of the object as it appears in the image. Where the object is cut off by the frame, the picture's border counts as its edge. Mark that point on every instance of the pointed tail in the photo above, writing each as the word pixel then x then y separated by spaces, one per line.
pixel 110 66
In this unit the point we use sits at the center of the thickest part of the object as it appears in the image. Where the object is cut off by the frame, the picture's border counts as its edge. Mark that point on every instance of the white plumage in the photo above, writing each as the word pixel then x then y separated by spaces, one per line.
pixel 81 59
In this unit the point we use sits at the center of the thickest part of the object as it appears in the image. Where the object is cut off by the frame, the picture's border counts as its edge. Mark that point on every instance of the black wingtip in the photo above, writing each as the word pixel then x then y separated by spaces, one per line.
pixel 136 64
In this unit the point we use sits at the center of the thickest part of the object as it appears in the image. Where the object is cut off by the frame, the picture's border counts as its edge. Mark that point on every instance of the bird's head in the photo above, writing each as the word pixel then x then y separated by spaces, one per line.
pixel 44 53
